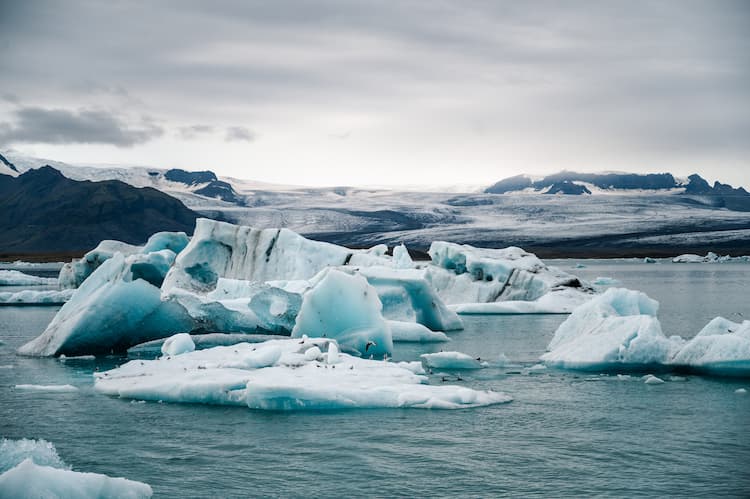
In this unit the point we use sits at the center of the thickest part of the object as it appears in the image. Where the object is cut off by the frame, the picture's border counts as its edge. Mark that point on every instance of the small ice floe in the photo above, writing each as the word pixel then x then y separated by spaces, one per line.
pixel 536 368
pixel 677 378
pixel 64 358
pixel 623 377
pixel 740 391
pixel 47 388
pixel 452 360
pixel 178 344
pixel 606 281
pixel 650 379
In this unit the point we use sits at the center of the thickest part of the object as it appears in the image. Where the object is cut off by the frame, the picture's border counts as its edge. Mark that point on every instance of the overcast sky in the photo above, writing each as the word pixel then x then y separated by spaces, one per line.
pixel 348 92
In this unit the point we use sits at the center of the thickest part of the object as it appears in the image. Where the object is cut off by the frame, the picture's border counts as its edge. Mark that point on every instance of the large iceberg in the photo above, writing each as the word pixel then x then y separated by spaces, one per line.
pixel 346 308
pixel 32 469
pixel 74 273
pixel 615 330
pixel 286 374
pixel 722 347
pixel 618 330
pixel 219 249
pixel 118 306
pixel 17 278
pixel 235 279
pixel 462 274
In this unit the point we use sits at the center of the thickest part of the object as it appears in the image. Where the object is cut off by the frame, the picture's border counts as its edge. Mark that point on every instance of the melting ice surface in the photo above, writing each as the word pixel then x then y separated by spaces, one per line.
pixel 306 373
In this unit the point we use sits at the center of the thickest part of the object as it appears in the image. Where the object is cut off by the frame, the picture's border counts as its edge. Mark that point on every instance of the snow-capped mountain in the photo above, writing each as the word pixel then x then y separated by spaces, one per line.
pixel 625 215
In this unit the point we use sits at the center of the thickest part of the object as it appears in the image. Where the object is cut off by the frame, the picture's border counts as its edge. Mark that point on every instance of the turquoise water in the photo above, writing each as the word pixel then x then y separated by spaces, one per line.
pixel 565 433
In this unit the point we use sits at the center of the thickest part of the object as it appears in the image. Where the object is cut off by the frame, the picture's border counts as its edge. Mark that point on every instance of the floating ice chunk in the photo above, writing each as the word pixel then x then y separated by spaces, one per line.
pixel 740 391
pixel 313 353
pixel 555 302
pixel 74 273
pixel 332 357
pixel 345 308
pixel 48 388
pixel 112 310
pixel 17 278
pixel 650 379
pixel 648 259
pixel 614 330
pixel 42 452
pixel 407 295
pixel 464 274
pixel 401 258
pixel 29 480
pixel 605 281
pixel 415 332
pixel 579 266
pixel 178 344
pixel 31 297
pixel 451 360
pixel 219 249
pixel 722 347
pixel 286 380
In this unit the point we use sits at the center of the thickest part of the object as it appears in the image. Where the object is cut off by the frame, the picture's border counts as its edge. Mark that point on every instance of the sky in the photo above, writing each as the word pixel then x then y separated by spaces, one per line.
pixel 346 92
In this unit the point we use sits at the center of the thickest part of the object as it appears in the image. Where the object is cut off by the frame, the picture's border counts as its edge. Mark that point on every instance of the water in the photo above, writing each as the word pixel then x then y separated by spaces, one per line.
pixel 565 434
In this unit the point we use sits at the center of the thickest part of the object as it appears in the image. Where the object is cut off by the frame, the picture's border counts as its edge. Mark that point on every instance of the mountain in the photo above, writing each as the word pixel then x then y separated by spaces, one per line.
pixel 719 195
pixel 7 168
pixel 42 211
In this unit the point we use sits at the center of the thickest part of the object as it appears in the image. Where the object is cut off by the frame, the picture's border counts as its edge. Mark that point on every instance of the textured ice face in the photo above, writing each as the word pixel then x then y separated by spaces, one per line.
pixel 614 330
pixel 721 347
pixel 346 308
pixel 286 374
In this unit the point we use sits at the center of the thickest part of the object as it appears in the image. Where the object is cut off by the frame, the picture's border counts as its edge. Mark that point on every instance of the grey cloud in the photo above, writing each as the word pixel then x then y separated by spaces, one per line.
pixel 193 131
pixel 62 126
pixel 239 133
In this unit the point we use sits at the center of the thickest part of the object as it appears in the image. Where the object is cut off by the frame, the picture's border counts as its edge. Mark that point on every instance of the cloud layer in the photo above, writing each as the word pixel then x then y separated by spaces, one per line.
pixel 420 88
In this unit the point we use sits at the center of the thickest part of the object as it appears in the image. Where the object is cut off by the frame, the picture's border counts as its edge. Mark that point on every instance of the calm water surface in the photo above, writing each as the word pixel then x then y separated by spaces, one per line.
pixel 565 433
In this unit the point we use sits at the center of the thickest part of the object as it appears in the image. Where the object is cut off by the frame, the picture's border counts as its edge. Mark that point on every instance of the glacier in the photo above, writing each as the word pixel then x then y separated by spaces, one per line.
pixel 286 374
pixel 619 330
pixel 18 278
pixel 33 469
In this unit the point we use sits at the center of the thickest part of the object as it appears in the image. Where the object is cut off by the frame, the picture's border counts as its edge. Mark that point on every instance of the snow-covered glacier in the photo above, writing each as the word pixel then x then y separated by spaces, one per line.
pixel 619 330
pixel 286 374
pixel 235 279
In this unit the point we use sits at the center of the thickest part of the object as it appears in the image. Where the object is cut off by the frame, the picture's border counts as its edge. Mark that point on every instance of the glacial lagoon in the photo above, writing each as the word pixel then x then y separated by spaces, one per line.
pixel 564 433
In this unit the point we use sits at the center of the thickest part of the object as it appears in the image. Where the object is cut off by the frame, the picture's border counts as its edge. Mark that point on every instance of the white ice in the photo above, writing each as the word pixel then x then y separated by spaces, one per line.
pixel 31 297
pixel 556 302
pixel 13 452
pixel 619 329
pixel 178 344
pixel 47 388
pixel 17 278
pixel 451 360
pixel 281 375
pixel 616 329
pixel 415 332
pixel 29 480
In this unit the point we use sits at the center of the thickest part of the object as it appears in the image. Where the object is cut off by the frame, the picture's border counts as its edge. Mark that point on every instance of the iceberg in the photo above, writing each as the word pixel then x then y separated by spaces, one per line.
pixel 286 374
pixel 462 274
pixel 18 278
pixel 31 297
pixel 116 307
pixel 13 452
pixel 33 469
pixel 619 330
pixel 451 360
pixel 556 302
pixel 710 257
pixel 219 249
pixel 722 347
pixel 615 330
pixel 30 480
pixel 346 308
pixel 74 273
pixel 415 333
pixel 48 388
pixel 178 344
